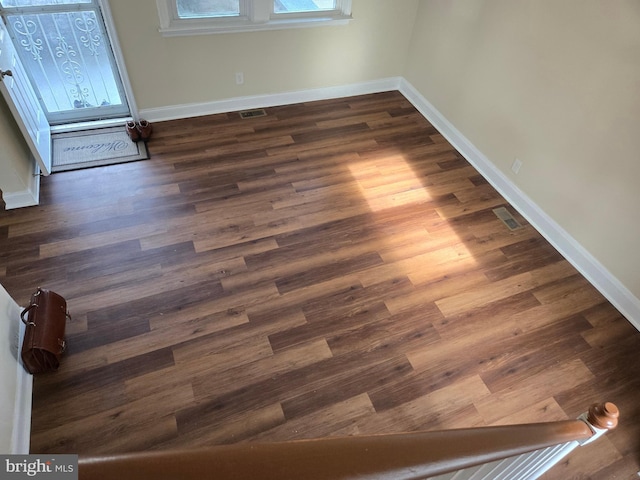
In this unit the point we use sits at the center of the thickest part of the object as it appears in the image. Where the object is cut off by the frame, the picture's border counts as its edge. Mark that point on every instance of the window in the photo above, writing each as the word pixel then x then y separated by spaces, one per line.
pixel 303 6
pixel 203 9
pixel 38 3
pixel 192 17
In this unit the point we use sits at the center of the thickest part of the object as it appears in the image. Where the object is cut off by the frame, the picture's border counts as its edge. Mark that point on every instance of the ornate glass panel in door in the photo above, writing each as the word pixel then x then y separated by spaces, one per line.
pixel 67 54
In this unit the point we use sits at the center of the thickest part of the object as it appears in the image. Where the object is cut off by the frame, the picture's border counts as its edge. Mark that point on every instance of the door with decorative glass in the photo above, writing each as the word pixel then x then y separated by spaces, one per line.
pixel 65 49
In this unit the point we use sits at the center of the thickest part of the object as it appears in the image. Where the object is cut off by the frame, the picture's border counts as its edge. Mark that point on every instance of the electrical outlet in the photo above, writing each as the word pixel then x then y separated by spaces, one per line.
pixel 239 78
pixel 515 167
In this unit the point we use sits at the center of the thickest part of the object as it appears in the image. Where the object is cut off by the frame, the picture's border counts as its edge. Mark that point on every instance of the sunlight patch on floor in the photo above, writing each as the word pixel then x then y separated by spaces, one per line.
pixel 390 182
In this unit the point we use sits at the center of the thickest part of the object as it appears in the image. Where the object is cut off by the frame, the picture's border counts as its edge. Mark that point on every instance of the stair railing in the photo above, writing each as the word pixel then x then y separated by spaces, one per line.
pixel 515 452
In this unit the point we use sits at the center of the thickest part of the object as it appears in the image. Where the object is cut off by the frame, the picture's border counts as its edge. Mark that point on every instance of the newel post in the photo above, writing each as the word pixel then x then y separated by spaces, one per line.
pixel 601 418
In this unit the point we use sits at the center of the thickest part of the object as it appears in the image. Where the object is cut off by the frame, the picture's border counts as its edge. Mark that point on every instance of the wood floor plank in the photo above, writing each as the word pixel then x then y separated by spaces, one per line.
pixel 331 268
pixel 234 430
pixel 133 428
pixel 337 325
pixel 339 419
pixel 505 402
pixel 264 369
pixel 546 410
pixel 64 399
pixel 432 411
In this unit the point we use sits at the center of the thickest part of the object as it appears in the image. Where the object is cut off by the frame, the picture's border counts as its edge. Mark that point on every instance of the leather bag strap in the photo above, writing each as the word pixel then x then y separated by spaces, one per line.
pixel 25 311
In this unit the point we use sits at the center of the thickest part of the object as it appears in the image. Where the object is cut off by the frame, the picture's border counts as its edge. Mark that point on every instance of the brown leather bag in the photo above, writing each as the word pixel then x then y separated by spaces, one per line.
pixel 44 342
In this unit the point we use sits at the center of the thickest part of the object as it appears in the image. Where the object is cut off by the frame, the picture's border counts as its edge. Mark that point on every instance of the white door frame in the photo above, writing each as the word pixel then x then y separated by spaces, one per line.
pixel 117 53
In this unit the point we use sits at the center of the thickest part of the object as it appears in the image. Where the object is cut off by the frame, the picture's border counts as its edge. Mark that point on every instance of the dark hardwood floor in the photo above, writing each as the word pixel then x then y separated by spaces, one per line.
pixel 333 268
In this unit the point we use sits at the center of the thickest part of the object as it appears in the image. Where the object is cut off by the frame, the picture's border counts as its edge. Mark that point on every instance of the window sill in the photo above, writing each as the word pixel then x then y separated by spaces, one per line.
pixel 200 28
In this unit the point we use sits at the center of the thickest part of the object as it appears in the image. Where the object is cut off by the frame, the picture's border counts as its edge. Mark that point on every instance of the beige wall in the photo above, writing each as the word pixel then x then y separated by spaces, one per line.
pixel 557 85
pixel 195 69
pixel 16 167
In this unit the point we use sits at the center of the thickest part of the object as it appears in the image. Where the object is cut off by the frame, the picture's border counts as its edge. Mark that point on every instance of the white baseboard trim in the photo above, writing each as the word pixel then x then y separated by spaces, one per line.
pixel 270 100
pixel 578 256
pixel 26 198
pixel 20 438
pixel 29 197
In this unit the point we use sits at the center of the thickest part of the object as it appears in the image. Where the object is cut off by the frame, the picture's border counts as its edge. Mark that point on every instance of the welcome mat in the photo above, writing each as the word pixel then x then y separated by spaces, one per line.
pixel 94 148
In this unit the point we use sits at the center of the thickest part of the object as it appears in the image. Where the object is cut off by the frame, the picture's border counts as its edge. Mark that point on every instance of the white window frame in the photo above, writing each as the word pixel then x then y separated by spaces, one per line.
pixel 254 15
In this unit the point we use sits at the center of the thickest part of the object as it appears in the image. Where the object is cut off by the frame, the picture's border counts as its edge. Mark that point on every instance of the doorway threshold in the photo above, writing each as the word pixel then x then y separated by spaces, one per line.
pixel 90 125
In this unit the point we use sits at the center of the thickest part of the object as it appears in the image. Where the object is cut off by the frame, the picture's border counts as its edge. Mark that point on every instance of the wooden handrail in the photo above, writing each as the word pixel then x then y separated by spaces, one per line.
pixel 383 457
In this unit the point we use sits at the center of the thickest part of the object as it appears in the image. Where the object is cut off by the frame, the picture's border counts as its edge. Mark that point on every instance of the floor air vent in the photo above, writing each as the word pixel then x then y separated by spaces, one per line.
pixel 258 112
pixel 503 214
